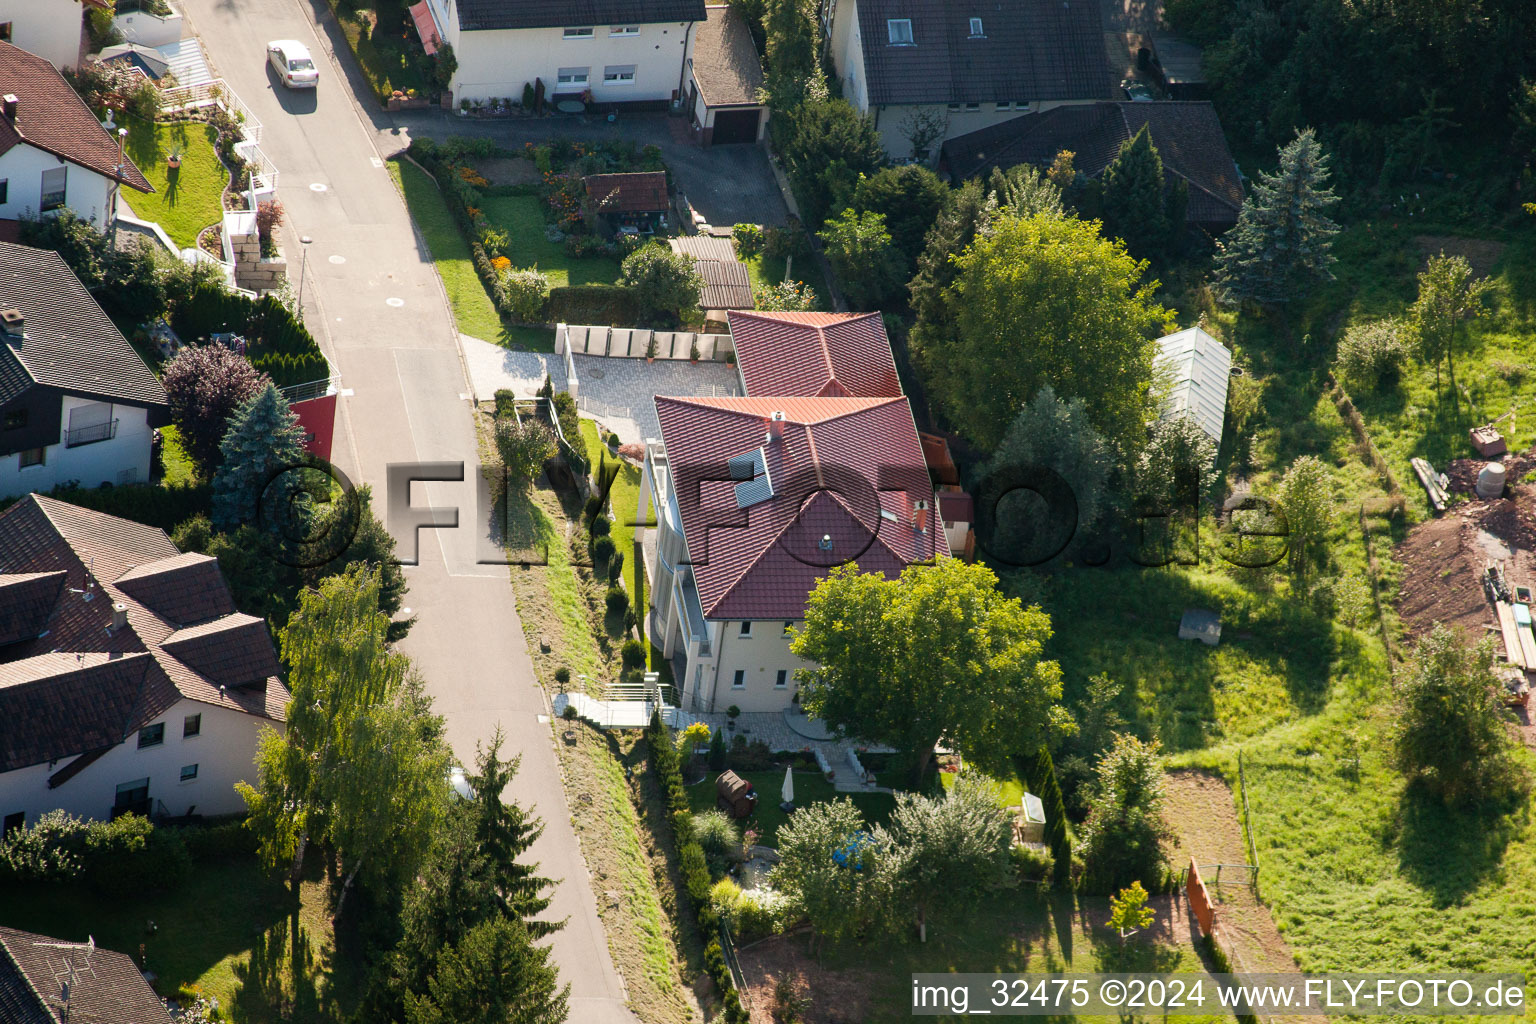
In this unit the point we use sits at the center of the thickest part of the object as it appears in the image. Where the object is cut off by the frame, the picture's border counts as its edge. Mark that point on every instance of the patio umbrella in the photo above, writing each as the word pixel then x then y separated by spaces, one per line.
pixel 788 792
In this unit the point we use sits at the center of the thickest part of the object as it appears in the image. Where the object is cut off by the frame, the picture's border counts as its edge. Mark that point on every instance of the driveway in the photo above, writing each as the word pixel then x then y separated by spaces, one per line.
pixel 375 301
pixel 727 184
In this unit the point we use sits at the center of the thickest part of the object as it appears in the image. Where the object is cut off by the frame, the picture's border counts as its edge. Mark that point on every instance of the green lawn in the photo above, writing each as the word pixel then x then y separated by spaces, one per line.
pixel 523 221
pixel 810 787
pixel 179 471
pixel 188 198
pixel 765 273
pixel 624 497
pixel 385 45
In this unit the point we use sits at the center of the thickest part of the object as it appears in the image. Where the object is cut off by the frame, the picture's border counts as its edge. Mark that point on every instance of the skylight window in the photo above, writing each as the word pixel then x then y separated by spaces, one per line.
pixel 751 468
pixel 899 30
pixel 976 31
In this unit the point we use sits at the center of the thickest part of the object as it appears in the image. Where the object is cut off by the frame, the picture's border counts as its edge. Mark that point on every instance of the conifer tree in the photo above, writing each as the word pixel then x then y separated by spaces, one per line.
pixel 1280 246
pixel 1133 195
pixel 504 832
pixel 264 438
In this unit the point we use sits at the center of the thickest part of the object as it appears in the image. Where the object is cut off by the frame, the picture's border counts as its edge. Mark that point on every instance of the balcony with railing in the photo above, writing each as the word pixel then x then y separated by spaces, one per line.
pixel 91 434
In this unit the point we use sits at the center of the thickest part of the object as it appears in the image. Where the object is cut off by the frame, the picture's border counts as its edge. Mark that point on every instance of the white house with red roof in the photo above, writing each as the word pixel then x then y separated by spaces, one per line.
pixel 756 498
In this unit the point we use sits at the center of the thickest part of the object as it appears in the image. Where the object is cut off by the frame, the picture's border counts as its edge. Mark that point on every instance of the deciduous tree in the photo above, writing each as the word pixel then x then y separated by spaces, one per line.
pixel 205 384
pixel 840 896
pixel 1122 839
pixel 524 446
pixel 664 283
pixel 910 197
pixel 867 264
pixel 1448 297
pixel 1306 498
pixel 971 663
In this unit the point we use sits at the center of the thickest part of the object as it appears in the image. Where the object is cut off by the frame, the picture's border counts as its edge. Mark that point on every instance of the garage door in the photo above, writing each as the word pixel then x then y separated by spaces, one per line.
pixel 735 126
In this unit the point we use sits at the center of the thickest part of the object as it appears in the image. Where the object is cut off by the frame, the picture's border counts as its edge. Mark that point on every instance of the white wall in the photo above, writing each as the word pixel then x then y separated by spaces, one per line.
pixel 85 192
pixel 48 28
pixel 148 29
pixel 759 658
pixel 89 464
pixel 224 752
pixel 847 50
pixel 498 63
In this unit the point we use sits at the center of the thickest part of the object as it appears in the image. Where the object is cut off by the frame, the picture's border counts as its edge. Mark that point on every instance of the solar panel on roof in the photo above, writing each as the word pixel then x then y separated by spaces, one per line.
pixel 751 468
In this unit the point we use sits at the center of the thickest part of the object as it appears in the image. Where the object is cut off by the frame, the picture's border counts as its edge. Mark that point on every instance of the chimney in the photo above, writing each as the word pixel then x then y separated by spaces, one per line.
pixel 775 425
pixel 119 615
pixel 920 516
pixel 11 102
pixel 12 322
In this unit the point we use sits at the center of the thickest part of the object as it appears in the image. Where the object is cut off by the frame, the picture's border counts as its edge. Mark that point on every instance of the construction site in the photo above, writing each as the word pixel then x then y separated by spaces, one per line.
pixel 1473 566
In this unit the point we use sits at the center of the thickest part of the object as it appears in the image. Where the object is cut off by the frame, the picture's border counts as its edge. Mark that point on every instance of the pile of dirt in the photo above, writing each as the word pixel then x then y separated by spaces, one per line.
pixel 1443 562
pixel 1462 473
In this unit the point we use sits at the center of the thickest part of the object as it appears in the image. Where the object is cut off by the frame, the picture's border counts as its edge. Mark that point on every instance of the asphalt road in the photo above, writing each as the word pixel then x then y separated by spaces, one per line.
pixel 377 305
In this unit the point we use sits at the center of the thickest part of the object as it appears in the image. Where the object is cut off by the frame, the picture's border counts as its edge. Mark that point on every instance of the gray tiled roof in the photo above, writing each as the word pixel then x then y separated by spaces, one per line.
pixel 70 343
pixel 494 14
pixel 1029 50
pixel 108 987
pixel 725 62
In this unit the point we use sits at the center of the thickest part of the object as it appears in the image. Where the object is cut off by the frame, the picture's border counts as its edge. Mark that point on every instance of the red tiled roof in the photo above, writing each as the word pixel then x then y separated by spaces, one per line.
pixel 632 192
pixel 426 26
pixel 108 987
pixel 51 116
pixel 847 469
pixel 941 464
pixel 70 683
pixel 828 354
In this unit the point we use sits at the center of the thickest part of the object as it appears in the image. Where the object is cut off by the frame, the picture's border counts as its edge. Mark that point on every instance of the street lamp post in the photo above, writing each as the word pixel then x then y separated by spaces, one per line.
pixel 117 178
pixel 303 266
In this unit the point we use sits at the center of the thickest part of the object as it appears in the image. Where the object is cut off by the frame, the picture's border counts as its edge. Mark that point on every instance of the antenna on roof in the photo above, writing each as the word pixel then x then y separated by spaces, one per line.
pixel 68 980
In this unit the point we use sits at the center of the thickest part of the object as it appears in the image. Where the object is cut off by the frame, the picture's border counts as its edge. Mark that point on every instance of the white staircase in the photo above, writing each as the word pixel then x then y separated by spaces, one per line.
pixel 620 713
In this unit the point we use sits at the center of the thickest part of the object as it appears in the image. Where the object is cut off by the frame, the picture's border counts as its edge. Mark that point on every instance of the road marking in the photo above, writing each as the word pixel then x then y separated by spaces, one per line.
pixel 338 260
pixel 392 301
pixel 376 161
pixel 347 392
pixel 317 186
pixel 543 719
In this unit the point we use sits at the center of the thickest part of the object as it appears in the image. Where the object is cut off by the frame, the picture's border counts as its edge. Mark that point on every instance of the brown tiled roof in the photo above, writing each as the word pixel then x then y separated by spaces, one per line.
pixel 827 354
pixel 51 116
pixel 727 285
pixel 1187 135
pixel 1030 50
pixel 69 343
pixel 941 462
pixel 848 469
pixel 725 62
pixel 703 247
pixel 631 192
pixel 82 685
pixel 493 14
pixel 108 988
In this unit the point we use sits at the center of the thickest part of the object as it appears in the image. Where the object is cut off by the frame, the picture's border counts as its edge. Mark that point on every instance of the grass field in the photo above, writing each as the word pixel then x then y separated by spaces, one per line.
pixel 810 787
pixel 386 48
pixel 765 273
pixel 188 198
pixel 179 470
pixel 624 497
pixel 523 221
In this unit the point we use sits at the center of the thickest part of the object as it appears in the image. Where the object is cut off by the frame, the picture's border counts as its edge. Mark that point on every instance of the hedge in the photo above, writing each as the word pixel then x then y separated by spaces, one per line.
pixel 609 304
pixel 668 771
pixel 278 343
pixel 162 507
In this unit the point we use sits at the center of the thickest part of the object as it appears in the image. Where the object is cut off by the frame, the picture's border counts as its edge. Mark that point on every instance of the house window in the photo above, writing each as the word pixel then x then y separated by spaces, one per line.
pixel 746 629
pixel 5 191
pixel 739 680
pixel 188 772
pixel 132 795
pixel 192 725
pixel 624 30
pixel 19 819
pixel 1004 105
pixel 899 30
pixel 954 106
pixel 782 679
pixel 5 30
pixel 53 188
pixel 15 419
pixel 976 32
pixel 152 735
pixel 578 33
pixel 31 457
pixel 573 76
pixel 89 424
pixel 788 627
pixel 972 107
pixel 619 74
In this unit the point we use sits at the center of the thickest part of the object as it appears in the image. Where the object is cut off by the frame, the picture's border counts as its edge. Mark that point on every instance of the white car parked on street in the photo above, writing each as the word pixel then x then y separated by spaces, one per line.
pixel 291 60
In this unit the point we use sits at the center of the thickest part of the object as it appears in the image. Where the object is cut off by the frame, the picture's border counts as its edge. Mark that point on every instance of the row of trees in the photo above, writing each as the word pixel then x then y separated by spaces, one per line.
pixel 361 771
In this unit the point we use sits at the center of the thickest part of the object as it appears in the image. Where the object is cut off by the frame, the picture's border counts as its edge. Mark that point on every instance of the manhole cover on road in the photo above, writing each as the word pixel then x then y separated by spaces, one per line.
pixel 338 259
pixel 394 302
pixel 318 186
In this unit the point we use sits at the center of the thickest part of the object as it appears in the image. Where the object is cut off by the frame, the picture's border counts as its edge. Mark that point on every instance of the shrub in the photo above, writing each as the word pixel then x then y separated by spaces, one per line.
pixel 749 239
pixel 663 283
pixel 562 675
pixel 788 297
pixel 228 841
pixel 601 526
pixel 1372 355
pixel 593 508
pixel 524 445
pixel 136 858
pixel 617 601
pixel 594 304
pixel 1032 865
pixel 761 913
pixel 784 243
pixel 616 566
pixel 269 214
pixel 751 757
pixel 633 653
pixel 602 548
pixel 522 294
pixel 506 402
pixel 48 850
pixel 725 898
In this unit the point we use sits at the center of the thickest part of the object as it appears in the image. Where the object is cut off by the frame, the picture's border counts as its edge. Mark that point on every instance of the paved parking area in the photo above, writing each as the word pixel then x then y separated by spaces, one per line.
pixel 727 184
pixel 618 393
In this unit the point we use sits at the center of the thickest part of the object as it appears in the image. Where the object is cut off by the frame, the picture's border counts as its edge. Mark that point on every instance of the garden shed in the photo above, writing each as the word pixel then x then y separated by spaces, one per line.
pixel 1199 367
pixel 734 795
pixel 1029 821
pixel 636 200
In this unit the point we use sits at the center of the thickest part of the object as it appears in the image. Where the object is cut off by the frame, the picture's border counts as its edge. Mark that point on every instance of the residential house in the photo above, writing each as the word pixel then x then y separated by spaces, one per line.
pixel 959 65
pixel 76 401
pixel 44 980
pixel 756 498
pixel 623 54
pixel 1198 369
pixel 725 81
pixel 726 283
pixel 53 151
pixel 128 681
pixel 634 200
pixel 1187 135
pixel 52 29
